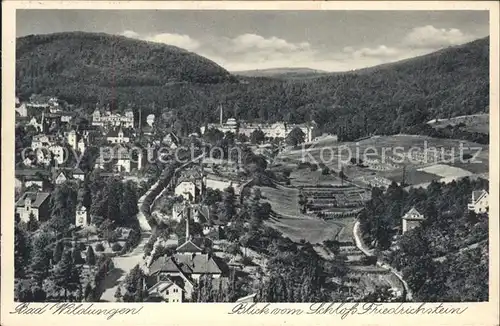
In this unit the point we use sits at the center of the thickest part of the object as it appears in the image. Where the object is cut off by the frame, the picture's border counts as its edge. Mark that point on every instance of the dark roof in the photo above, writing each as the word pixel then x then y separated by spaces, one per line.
pixel 477 194
pixel 30 172
pixel 194 263
pixel 37 198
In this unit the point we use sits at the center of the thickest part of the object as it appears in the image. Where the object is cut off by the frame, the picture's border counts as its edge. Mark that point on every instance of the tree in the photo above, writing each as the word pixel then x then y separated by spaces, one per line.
pixel 90 256
pixel 257 136
pixel 76 255
pixel 229 208
pixel 128 206
pixel 41 256
pixel 32 224
pixel 66 275
pixel 295 137
pixel 58 251
pixel 118 294
pixel 39 294
pixel 23 292
pixel 22 251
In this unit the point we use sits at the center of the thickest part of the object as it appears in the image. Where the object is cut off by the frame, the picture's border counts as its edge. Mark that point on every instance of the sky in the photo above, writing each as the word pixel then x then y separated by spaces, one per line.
pixel 248 40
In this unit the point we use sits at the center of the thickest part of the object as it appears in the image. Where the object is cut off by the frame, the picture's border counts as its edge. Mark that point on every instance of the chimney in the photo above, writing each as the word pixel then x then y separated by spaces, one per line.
pixel 221 115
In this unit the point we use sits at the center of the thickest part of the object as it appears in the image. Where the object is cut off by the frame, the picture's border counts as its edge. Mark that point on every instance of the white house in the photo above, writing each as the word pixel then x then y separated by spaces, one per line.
pixel 169 290
pixel 81 216
pixel 479 202
pixel 412 219
pixel 188 190
pixel 36 203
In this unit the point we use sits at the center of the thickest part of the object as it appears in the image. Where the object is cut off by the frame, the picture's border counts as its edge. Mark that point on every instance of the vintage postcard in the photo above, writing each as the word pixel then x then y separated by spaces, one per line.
pixel 298 163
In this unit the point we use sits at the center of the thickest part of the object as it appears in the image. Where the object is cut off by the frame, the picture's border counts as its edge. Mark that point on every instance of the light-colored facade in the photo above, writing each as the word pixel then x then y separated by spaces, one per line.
pixel 411 220
pixel 81 216
pixel 479 202
pixel 113 119
pixel 274 130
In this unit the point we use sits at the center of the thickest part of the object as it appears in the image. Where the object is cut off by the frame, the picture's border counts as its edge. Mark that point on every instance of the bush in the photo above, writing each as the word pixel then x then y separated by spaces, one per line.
pixel 99 247
pixel 116 247
pixel 246 260
pixel 325 171
pixel 82 246
pixel 233 249
pixel 369 260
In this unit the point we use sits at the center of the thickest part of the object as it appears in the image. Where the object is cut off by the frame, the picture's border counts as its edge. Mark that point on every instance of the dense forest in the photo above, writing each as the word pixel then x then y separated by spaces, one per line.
pixel 84 69
pixel 446 259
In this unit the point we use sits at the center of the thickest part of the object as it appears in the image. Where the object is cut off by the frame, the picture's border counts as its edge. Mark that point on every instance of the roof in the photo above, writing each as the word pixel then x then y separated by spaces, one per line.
pixel 78 171
pixel 195 263
pixel 478 194
pixel 413 214
pixel 37 198
pixel 31 172
pixel 191 175
pixel 189 246
pixel 248 298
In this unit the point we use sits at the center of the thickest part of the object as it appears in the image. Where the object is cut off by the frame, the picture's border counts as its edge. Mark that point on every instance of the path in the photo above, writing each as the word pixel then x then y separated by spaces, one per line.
pixel 123 265
pixel 362 246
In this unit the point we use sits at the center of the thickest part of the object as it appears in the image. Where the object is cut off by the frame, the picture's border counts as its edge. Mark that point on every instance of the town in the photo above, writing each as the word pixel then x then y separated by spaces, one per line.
pixel 99 220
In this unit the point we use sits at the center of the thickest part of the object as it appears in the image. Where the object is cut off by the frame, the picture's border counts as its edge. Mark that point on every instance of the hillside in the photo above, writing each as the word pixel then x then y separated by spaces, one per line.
pixel 282 73
pixel 74 62
pixel 381 100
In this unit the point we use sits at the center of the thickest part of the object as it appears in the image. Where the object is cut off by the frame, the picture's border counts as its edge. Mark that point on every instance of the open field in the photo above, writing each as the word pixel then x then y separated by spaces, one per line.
pixel 473 123
pixel 395 150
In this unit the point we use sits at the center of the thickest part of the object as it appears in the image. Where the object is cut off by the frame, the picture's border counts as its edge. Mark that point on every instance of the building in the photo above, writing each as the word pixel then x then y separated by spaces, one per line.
pixel 119 159
pixel 168 289
pixel 118 136
pixel 113 119
pixel 81 216
pixel 270 130
pixel 21 108
pixel 412 219
pixel 479 202
pixel 171 140
pixel 191 185
pixel 62 175
pixel 32 177
pixel 36 203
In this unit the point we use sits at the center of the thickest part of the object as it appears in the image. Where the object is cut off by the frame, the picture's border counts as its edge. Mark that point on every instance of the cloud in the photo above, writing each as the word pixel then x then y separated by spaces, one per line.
pixel 179 40
pixel 250 42
pixel 431 37
pixel 381 51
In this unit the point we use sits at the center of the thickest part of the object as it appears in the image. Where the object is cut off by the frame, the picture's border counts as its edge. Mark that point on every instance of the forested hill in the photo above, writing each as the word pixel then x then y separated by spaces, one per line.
pixel 386 99
pixel 68 61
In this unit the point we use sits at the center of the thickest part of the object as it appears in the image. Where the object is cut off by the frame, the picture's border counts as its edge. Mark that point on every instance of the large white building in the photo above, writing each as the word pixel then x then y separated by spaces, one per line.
pixel 270 130
pixel 113 119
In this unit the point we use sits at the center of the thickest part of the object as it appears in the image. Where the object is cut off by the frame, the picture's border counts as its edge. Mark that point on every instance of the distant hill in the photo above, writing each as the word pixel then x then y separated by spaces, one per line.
pixel 285 73
pixel 83 68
